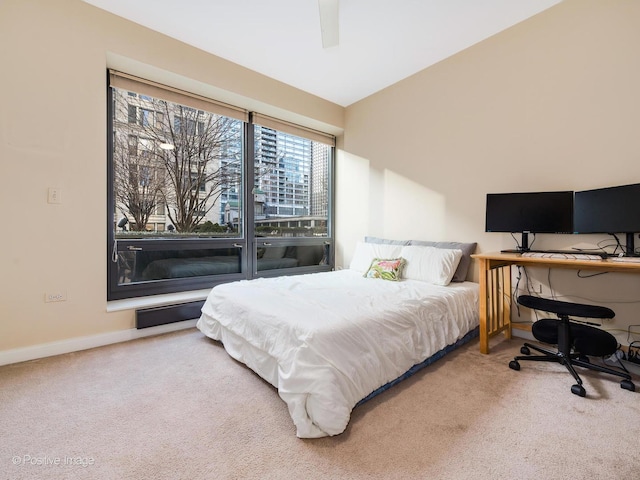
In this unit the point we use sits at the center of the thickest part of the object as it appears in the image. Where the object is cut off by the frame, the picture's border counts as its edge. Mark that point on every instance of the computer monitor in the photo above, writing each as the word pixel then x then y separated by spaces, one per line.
pixel 530 212
pixel 609 210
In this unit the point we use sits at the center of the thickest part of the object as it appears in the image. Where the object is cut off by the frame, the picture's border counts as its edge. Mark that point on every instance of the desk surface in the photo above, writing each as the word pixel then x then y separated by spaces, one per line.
pixel 497 258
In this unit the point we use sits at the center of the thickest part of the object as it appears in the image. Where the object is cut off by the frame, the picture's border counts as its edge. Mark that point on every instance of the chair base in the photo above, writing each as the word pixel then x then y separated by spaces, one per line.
pixel 569 360
pixel 575 342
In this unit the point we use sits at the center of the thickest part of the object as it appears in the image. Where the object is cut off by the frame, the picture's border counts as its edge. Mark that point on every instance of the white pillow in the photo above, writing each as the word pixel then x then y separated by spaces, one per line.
pixel 366 252
pixel 430 264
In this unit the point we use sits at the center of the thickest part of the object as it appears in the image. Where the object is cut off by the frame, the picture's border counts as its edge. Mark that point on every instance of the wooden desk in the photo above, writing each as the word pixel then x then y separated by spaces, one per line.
pixel 495 286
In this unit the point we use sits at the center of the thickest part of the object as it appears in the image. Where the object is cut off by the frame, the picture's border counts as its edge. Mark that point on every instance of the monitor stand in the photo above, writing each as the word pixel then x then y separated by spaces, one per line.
pixel 630 248
pixel 524 245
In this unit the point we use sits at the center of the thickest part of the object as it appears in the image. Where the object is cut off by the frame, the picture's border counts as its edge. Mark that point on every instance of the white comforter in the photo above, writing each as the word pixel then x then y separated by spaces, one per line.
pixel 327 340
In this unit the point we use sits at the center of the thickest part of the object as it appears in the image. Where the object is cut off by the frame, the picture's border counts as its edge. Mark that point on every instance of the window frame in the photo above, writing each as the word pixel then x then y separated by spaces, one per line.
pixel 246 241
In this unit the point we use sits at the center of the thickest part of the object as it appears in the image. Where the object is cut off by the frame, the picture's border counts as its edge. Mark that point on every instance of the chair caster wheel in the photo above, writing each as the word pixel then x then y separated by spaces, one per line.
pixel 628 385
pixel 578 390
pixel 584 358
pixel 525 351
pixel 514 365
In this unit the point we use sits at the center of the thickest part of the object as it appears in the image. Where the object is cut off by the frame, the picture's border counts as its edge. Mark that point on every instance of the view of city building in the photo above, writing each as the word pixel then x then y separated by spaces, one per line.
pixel 179 168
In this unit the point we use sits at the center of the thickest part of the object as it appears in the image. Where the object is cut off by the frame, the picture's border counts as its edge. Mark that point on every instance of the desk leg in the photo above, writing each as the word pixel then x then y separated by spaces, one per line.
pixel 495 302
pixel 484 333
pixel 506 301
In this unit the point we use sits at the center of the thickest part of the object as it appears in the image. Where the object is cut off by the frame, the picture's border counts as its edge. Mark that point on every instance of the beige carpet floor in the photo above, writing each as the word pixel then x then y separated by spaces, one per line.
pixel 177 406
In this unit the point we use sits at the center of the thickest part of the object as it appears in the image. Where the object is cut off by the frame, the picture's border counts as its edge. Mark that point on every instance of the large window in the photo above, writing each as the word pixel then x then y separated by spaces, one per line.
pixel 202 193
pixel 291 197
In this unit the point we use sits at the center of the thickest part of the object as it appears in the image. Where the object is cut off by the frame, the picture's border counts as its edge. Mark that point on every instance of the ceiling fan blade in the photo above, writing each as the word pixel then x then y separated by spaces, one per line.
pixel 329 22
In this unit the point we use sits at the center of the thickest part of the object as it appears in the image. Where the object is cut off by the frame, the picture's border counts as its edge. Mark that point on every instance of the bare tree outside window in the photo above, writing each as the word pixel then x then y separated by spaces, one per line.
pixel 139 182
pixel 184 158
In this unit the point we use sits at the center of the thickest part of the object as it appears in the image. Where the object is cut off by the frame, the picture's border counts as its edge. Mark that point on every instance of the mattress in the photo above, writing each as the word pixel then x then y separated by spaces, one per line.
pixel 328 340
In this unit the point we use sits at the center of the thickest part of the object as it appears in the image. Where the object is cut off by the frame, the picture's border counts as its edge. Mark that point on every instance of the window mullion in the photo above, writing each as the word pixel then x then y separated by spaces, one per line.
pixel 248 200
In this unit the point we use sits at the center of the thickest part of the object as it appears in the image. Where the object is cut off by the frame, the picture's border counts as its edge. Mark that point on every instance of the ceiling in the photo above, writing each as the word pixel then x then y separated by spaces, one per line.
pixel 380 41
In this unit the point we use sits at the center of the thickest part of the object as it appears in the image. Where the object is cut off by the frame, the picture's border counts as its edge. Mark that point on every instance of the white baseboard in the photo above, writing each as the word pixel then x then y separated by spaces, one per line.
pixel 522 334
pixel 83 343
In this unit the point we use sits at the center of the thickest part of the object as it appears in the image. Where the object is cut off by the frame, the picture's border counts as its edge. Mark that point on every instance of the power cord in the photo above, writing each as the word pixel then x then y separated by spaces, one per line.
pixel 616 358
pixel 633 352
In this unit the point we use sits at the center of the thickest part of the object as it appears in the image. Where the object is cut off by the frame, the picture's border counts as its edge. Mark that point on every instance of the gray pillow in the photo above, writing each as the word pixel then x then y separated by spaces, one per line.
pixel 465 261
pixel 385 241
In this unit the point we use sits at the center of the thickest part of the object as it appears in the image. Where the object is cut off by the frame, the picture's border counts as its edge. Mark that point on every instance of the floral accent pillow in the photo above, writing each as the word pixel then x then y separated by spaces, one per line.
pixel 386 269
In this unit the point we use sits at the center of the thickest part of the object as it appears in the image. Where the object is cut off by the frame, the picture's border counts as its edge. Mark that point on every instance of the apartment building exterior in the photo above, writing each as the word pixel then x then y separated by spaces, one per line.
pixel 290 172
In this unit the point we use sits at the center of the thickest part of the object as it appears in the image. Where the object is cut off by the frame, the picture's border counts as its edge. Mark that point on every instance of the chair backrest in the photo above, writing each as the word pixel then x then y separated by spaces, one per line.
pixel 565 308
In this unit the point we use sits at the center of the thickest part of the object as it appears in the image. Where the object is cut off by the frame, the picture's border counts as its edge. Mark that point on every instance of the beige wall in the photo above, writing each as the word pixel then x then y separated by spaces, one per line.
pixel 53 59
pixel 550 104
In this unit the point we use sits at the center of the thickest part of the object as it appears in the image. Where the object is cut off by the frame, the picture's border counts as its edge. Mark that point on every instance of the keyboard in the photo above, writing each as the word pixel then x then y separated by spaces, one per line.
pixel 625 259
pixel 546 253
pixel 564 256
pixel 574 252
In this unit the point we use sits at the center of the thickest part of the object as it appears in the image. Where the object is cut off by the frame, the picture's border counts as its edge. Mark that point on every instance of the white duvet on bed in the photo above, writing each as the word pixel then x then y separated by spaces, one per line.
pixel 327 340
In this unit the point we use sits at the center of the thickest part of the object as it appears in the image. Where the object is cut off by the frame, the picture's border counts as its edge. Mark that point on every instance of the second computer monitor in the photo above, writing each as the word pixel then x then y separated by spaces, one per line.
pixel 609 210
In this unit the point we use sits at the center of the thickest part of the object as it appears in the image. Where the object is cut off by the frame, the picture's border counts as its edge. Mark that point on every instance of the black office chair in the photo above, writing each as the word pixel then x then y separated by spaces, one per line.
pixel 575 341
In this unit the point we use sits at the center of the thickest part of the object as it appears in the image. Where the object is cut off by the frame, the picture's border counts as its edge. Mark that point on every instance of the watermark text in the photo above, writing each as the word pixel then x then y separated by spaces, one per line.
pixel 52 461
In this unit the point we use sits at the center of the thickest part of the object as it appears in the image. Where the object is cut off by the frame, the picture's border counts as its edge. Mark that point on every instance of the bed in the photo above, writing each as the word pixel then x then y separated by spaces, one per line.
pixel 327 341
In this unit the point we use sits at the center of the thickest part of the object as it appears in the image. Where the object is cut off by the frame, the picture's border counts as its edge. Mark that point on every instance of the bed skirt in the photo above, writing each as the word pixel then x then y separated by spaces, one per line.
pixel 419 366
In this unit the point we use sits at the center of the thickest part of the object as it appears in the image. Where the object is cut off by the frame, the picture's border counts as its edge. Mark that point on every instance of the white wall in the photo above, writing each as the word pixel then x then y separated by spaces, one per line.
pixel 54 55
pixel 550 104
